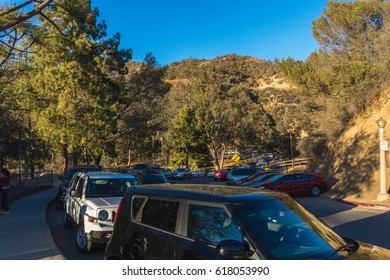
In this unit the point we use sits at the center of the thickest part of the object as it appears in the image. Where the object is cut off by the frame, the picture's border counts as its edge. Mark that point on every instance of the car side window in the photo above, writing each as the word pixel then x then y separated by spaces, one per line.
pixel 211 224
pixel 79 186
pixel 298 177
pixel 74 182
pixel 161 214
pixel 286 178
pixel 137 203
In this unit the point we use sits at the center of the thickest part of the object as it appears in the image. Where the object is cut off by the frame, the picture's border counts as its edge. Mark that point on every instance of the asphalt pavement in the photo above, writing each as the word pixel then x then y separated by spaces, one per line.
pixel 24 233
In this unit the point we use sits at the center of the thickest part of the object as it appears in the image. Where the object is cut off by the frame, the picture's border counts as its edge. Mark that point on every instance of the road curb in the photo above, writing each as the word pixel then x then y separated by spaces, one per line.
pixel 363 204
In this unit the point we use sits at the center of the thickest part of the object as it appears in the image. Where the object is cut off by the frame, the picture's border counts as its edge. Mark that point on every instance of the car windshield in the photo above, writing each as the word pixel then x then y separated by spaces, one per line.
pixel 181 170
pixel 283 229
pixel 109 187
pixel 275 178
pixel 264 177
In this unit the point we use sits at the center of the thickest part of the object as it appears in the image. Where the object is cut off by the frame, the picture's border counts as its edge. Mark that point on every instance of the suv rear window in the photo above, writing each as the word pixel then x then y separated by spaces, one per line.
pixel 161 214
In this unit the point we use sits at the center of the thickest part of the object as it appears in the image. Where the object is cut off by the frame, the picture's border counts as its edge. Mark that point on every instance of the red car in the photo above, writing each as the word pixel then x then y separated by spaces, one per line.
pixel 296 184
pixel 220 175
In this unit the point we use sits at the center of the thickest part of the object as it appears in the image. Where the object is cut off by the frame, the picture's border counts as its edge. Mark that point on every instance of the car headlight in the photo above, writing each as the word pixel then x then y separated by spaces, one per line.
pixel 103 215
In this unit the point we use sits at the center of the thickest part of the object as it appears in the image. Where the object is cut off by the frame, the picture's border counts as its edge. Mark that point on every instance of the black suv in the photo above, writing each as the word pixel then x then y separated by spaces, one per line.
pixel 218 222
pixel 60 197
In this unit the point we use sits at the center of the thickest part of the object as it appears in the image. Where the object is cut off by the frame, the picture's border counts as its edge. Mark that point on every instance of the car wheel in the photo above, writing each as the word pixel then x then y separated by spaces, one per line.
pixel 82 240
pixel 315 191
pixel 66 221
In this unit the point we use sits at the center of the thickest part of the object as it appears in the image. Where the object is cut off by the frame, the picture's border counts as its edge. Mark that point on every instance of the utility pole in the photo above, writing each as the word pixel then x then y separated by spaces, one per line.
pixel 292 152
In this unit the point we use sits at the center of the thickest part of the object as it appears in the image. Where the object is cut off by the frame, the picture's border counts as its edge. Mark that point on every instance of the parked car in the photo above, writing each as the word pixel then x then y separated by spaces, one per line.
pixel 62 188
pixel 152 176
pixel 210 173
pixel 220 175
pixel 181 173
pixel 259 179
pixel 296 184
pixel 209 222
pixel 198 173
pixel 238 173
pixel 91 204
pixel 138 168
pixel 241 181
pixel 168 173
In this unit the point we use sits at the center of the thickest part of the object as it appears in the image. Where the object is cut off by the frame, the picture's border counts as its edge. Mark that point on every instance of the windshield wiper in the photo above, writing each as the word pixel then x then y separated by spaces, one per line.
pixel 345 247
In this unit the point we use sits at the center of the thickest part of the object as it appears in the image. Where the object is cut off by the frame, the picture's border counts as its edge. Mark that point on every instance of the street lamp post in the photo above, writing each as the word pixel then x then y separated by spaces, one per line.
pixel 382 195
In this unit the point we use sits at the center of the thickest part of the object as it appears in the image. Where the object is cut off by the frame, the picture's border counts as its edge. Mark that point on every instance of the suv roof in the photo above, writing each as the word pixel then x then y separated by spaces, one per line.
pixel 80 168
pixel 108 175
pixel 206 192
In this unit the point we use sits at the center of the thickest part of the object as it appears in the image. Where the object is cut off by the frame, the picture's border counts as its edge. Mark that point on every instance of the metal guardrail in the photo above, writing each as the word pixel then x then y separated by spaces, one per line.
pixel 287 164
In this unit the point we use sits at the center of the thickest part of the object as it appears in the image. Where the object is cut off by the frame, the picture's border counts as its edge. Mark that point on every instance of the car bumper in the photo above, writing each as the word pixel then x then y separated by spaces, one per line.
pixel 100 236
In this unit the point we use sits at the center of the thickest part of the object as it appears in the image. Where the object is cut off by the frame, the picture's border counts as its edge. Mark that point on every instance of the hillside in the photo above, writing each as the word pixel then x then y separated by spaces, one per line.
pixel 350 163
pixel 353 160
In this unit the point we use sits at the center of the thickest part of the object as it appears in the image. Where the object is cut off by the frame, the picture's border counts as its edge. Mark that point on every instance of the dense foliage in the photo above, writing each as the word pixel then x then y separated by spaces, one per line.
pixel 70 92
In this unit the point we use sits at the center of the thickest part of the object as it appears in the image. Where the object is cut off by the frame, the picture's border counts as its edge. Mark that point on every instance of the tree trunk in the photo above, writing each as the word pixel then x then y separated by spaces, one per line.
pixel 66 158
pixel 32 169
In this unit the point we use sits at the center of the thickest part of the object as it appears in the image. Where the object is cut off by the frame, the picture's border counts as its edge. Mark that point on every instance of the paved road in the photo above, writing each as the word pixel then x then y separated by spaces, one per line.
pixel 364 224
pixel 25 234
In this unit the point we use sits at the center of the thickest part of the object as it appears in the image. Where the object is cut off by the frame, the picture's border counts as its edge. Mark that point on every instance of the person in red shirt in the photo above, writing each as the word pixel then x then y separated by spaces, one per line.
pixel 5 182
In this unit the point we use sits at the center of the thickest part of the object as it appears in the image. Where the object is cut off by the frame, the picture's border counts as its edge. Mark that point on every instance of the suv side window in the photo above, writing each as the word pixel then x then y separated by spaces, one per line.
pixel 73 183
pixel 210 224
pixel 137 203
pixel 161 214
pixel 79 186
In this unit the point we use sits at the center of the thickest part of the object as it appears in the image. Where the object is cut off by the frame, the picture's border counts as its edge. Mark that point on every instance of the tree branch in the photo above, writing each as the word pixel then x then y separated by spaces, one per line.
pixel 37 10
pixel 17 7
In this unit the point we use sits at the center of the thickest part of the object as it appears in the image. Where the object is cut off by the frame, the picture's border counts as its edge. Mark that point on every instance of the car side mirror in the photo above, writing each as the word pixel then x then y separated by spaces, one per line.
pixel 233 249
pixel 75 193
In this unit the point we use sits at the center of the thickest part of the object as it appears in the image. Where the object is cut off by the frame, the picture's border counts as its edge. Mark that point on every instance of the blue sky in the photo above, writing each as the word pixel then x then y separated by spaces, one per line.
pixel 174 30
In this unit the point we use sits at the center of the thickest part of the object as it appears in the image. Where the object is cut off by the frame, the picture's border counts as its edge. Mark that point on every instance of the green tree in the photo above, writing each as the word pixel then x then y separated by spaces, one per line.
pixel 229 119
pixel 141 117
pixel 351 28
pixel 73 85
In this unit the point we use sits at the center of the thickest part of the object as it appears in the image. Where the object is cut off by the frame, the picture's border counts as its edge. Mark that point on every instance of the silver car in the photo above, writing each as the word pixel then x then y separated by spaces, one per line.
pixel 241 172
pixel 181 173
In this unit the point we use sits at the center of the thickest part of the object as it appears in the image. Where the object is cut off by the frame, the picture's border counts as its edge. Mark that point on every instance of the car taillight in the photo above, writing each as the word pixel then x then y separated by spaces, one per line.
pixel 117 211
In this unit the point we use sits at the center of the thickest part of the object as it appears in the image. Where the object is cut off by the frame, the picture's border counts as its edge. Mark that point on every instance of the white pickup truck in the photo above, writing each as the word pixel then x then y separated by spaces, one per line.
pixel 91 203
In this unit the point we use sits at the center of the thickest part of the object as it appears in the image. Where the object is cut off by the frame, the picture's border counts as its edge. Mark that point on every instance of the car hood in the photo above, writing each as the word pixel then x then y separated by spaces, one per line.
pixel 103 202
pixel 369 252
